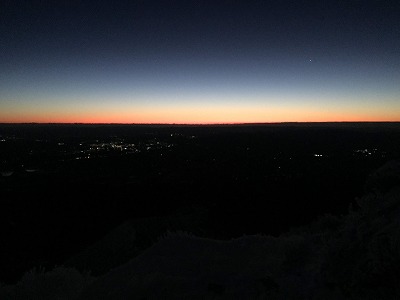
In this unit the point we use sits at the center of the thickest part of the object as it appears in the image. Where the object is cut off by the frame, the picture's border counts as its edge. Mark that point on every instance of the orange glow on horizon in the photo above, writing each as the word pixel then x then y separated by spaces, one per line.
pixel 217 114
pixel 199 111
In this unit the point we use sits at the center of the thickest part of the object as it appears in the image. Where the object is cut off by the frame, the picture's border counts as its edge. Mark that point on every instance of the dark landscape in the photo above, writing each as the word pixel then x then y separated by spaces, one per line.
pixel 94 197
pixel 199 150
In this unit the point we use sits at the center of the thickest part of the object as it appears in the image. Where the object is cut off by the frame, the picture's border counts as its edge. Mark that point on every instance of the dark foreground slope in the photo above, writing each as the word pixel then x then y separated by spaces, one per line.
pixel 354 256
pixel 67 189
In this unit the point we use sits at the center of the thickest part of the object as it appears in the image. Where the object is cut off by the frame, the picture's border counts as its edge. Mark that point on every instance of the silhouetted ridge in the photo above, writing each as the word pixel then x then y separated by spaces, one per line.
pixel 354 256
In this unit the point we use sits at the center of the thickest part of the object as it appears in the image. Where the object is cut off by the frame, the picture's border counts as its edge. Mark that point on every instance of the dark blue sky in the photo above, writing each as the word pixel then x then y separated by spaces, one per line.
pixel 199 61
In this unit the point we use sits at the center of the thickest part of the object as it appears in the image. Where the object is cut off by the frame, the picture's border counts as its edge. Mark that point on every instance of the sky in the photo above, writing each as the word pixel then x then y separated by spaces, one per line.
pixel 199 62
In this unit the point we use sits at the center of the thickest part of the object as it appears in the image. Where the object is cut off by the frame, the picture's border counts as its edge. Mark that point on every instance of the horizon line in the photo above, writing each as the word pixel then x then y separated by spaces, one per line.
pixel 193 124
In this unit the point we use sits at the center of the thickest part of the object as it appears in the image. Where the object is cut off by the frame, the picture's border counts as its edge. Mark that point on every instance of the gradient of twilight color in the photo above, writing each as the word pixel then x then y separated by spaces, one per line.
pixel 199 61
